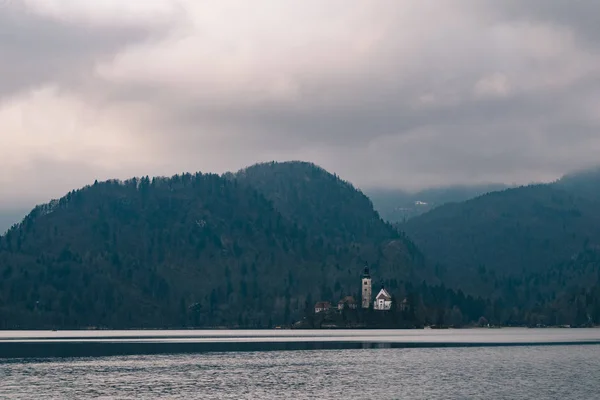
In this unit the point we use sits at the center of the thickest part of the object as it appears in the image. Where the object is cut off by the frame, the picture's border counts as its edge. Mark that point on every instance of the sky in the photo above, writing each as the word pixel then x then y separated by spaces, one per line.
pixel 387 94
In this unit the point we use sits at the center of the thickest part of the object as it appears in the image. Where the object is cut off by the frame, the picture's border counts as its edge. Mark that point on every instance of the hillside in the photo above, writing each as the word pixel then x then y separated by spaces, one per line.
pixel 398 205
pixel 318 201
pixel 567 293
pixel 199 250
pixel 259 247
pixel 515 232
pixel 584 183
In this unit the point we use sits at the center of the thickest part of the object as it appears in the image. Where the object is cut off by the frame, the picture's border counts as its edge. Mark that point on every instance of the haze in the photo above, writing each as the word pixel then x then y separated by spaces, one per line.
pixel 394 94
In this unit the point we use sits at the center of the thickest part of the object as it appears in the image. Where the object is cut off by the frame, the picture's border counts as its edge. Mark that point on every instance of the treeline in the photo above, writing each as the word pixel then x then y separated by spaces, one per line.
pixel 194 250
pixel 532 251
pixel 259 248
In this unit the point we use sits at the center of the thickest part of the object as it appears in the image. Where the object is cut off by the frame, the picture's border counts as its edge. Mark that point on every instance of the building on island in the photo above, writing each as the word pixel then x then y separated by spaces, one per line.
pixel 366 288
pixel 383 301
pixel 347 302
pixel 322 306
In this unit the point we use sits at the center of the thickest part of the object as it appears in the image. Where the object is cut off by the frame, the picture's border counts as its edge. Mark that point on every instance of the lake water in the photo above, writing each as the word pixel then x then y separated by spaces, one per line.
pixel 545 364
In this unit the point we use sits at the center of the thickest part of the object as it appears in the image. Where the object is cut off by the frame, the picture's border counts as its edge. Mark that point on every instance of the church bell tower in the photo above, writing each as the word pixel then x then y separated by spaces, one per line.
pixel 366 288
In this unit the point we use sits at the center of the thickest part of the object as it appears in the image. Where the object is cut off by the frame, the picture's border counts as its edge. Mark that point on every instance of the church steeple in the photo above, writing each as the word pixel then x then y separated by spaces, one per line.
pixel 366 288
pixel 366 273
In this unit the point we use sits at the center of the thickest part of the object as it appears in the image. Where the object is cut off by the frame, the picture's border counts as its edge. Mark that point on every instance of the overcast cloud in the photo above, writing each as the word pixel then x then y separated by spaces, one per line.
pixel 387 94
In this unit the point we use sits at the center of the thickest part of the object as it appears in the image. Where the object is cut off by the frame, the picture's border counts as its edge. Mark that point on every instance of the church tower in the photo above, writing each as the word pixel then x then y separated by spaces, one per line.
pixel 366 288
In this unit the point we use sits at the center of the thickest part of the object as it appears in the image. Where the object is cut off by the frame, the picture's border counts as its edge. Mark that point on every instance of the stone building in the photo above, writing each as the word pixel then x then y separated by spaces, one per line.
pixel 366 289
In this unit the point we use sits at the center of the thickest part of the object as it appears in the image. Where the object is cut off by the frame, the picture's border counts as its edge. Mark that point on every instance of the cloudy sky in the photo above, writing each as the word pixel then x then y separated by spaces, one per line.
pixel 389 93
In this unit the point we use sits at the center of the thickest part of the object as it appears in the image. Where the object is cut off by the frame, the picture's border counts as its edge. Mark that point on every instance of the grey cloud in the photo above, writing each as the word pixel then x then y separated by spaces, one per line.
pixel 37 49
pixel 580 16
pixel 50 177
pixel 360 108
pixel 472 138
pixel 408 114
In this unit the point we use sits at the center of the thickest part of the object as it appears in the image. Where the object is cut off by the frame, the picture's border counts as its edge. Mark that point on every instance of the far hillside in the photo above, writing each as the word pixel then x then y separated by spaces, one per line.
pixel 584 183
pixel 396 205
pixel 511 233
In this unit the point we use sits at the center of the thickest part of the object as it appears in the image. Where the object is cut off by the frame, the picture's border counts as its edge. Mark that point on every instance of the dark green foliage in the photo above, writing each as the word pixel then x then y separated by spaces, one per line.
pixel 531 250
pixel 194 250
pixel 260 247
pixel 321 203
pixel 519 230
pixel 584 183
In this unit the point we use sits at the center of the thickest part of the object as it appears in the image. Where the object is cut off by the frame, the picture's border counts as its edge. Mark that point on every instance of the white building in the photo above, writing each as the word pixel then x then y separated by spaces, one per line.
pixel 322 306
pixel 383 301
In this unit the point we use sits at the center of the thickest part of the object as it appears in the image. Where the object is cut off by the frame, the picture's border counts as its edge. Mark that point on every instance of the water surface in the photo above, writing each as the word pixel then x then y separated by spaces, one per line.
pixel 529 372
pixel 38 344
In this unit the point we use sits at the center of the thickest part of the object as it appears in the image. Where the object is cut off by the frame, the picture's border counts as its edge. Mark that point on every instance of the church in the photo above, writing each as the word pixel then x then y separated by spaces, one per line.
pixel 383 300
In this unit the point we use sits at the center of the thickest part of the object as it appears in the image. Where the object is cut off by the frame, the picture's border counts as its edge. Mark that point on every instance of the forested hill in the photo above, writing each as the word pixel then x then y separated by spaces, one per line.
pixel 530 246
pixel 318 201
pixel 197 250
pixel 513 231
pixel 584 183
pixel 259 247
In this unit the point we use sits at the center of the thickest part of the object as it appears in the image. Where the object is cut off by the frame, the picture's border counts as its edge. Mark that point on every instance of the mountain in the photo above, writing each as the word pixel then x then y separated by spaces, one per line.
pixel 398 205
pixel 584 183
pixel 528 246
pixel 249 249
pixel 318 201
pixel 259 247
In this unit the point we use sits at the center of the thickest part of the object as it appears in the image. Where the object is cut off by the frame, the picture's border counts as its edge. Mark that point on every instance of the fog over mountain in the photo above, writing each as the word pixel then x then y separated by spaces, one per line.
pixel 406 95
pixel 396 205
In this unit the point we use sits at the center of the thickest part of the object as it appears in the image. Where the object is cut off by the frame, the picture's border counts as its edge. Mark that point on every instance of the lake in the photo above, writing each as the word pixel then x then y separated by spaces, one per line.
pixel 412 364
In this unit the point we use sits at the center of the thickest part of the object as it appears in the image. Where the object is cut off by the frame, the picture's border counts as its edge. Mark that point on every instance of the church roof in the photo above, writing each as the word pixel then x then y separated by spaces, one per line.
pixel 366 273
pixel 383 294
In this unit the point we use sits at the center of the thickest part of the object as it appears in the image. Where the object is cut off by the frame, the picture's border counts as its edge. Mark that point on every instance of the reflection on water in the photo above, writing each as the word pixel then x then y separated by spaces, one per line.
pixel 559 372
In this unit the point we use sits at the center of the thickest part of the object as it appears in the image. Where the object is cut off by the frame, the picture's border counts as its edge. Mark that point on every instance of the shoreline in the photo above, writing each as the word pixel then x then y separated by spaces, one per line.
pixel 46 350
pixel 47 344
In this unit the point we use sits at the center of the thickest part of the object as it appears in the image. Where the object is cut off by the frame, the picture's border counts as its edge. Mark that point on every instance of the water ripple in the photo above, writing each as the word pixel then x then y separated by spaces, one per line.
pixel 568 372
